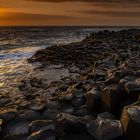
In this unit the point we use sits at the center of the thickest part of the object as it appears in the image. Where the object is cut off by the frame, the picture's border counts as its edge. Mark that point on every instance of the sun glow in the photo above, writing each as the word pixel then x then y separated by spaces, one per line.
pixel 2 12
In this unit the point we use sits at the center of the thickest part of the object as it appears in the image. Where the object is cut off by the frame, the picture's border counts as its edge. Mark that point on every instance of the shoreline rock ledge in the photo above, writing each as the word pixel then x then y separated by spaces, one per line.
pixel 87 90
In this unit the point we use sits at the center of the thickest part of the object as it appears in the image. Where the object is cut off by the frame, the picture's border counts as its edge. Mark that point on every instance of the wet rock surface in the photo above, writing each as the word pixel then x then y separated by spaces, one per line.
pixel 87 90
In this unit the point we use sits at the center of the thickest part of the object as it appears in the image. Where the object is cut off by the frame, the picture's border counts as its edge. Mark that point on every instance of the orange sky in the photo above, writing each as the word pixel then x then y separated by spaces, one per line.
pixel 69 12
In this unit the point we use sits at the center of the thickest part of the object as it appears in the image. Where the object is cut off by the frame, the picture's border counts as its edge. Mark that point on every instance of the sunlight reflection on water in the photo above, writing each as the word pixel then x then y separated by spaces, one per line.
pixel 13 67
pixel 14 51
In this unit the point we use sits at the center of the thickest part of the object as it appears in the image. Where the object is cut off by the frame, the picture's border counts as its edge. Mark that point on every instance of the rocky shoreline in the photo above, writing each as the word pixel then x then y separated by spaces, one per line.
pixel 88 90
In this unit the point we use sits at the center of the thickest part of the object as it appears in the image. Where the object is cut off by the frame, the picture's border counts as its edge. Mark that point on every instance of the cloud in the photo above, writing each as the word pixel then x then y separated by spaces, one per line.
pixel 93 1
pixel 114 13
pixel 30 16
pixel 1 6
pixel 15 18
pixel 99 3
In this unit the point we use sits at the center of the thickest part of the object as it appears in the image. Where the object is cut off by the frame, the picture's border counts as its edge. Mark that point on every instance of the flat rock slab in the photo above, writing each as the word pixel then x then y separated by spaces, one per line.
pixel 39 125
pixel 51 74
pixel 42 135
pixel 16 127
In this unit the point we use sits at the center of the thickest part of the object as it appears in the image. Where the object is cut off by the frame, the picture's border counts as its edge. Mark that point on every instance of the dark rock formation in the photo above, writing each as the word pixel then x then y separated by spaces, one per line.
pixel 111 97
pixel 131 121
pixel 105 127
pixel 69 124
pixel 99 74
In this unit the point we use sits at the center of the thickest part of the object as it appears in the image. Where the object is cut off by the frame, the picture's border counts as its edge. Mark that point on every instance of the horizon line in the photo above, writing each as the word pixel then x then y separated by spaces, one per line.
pixel 69 25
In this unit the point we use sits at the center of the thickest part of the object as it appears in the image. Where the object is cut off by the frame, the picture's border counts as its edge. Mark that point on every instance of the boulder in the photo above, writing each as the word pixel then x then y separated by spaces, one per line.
pixel 93 99
pixel 130 119
pixel 105 127
pixel 69 124
pixel 111 97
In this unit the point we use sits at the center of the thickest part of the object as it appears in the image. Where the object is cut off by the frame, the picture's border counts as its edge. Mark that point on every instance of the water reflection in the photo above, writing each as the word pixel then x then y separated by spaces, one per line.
pixel 14 50
pixel 13 67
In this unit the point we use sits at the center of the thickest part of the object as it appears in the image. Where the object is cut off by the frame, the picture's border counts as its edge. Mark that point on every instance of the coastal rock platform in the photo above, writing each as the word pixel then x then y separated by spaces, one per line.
pixel 87 90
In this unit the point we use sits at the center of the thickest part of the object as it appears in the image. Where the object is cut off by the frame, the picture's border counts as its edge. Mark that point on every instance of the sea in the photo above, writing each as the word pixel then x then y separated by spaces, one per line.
pixel 19 43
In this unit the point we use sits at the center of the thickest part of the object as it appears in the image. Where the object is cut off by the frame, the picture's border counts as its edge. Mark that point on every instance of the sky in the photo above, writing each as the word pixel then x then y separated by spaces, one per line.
pixel 69 12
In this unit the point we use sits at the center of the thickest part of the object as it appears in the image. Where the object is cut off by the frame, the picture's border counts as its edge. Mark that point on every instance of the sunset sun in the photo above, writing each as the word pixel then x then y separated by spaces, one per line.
pixel 2 11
